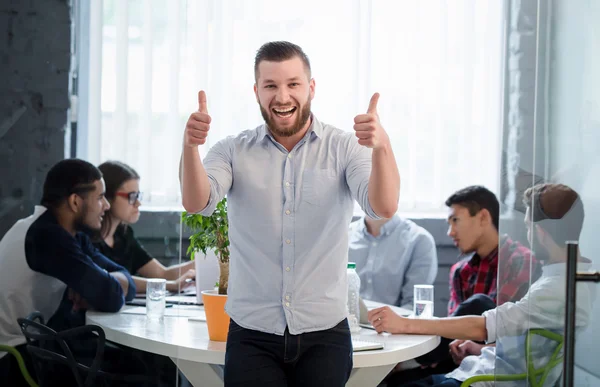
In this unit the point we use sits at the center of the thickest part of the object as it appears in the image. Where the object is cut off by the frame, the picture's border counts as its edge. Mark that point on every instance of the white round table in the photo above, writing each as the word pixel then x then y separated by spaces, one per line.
pixel 186 342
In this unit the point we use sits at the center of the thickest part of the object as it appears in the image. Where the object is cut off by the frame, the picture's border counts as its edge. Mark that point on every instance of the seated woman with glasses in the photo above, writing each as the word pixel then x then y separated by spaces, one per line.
pixel 117 239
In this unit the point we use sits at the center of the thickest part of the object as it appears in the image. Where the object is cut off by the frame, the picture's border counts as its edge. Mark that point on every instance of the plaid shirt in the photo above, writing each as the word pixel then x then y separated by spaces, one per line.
pixel 474 275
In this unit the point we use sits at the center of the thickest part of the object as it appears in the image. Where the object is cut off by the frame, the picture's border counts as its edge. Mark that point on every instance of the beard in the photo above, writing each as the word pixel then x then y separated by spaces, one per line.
pixel 82 225
pixel 302 117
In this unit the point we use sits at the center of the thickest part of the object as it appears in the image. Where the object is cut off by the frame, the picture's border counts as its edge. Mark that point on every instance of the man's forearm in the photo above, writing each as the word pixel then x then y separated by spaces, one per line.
pixel 463 328
pixel 384 182
pixel 195 187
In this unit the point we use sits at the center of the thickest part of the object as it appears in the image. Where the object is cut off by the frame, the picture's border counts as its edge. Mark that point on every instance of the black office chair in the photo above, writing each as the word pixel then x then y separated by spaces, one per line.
pixel 50 352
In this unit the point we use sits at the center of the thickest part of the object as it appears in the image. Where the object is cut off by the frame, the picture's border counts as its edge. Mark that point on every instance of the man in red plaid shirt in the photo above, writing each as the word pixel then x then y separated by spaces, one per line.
pixel 473 226
pixel 473 218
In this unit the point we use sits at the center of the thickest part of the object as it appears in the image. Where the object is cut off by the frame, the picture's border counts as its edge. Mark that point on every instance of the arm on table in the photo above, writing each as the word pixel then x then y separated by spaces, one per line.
pixel 59 255
pixel 384 319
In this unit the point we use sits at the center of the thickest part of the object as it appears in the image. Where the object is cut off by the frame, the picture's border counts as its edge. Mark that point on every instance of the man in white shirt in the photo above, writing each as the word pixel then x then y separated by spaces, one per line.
pixel 391 255
pixel 554 215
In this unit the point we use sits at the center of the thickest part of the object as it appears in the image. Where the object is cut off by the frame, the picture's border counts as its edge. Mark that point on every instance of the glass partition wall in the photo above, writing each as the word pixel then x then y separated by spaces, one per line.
pixel 551 142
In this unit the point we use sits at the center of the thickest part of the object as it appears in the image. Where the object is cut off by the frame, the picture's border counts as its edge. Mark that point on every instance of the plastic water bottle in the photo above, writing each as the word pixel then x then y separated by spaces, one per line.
pixel 353 294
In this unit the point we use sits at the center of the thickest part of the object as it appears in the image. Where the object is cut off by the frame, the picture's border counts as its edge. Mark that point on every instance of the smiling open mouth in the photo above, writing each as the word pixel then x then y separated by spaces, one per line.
pixel 284 112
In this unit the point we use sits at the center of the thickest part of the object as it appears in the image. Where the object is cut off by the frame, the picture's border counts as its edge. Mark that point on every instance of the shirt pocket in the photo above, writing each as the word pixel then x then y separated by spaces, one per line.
pixel 319 186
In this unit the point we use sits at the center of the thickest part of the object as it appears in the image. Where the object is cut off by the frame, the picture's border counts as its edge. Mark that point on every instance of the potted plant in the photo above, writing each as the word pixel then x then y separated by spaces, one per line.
pixel 211 233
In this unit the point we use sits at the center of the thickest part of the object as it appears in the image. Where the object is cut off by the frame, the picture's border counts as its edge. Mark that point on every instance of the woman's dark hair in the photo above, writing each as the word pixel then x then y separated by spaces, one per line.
pixel 68 177
pixel 115 175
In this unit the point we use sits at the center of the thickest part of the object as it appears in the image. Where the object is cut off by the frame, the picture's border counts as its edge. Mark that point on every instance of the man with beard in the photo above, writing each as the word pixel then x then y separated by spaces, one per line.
pixel 554 216
pixel 290 185
pixel 48 264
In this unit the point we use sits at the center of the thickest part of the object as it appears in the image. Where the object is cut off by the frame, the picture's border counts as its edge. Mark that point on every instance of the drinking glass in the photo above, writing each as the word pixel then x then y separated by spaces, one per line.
pixel 423 301
pixel 156 293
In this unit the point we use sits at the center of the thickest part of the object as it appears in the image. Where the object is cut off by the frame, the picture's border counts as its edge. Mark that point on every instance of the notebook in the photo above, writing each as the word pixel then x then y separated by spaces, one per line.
pixel 363 345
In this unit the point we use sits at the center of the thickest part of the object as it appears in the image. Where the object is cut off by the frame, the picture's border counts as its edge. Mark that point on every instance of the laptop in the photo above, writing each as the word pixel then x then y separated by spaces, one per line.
pixel 207 275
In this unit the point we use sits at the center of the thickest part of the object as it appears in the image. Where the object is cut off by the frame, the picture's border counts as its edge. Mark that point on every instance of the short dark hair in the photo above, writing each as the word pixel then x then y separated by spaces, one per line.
pixel 556 208
pixel 115 175
pixel 67 177
pixel 476 198
pixel 278 52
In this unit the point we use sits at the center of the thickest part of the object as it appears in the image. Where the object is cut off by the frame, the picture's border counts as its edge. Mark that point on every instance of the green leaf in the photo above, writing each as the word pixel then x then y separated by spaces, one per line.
pixel 209 233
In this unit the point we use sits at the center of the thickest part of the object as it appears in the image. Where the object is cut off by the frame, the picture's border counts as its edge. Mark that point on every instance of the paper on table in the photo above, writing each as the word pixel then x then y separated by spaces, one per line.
pixel 171 312
pixel 362 345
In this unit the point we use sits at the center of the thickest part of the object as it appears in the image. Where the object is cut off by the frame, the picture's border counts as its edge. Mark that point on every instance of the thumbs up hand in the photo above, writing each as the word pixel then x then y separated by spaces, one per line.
pixel 198 125
pixel 368 129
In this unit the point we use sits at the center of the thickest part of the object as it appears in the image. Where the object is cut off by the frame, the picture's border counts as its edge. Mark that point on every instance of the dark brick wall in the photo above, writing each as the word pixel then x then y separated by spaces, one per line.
pixel 35 62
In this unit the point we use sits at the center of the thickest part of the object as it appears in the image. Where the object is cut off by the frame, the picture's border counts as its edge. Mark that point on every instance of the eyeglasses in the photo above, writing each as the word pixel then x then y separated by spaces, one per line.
pixel 132 197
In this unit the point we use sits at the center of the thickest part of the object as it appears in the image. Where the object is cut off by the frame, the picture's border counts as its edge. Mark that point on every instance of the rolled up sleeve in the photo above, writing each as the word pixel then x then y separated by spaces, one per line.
pixel 218 167
pixel 490 325
pixel 358 172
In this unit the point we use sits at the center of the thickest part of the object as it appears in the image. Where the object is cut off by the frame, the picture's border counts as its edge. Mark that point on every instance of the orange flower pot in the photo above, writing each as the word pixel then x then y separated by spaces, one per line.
pixel 216 317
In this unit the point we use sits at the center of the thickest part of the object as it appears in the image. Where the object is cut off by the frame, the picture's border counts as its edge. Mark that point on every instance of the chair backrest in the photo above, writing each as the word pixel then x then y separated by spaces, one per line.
pixel 48 346
pixel 537 376
pixel 13 351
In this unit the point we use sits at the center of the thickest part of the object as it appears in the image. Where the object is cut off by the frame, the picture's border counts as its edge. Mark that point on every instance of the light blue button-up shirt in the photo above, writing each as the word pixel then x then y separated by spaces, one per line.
pixel 391 264
pixel 288 224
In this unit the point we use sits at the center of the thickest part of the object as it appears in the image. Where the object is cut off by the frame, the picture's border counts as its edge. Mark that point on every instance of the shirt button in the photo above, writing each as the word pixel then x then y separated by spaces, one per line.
pixel 288 241
pixel 287 183
pixel 287 268
pixel 287 304
pixel 374 244
pixel 369 280
pixel 289 155
pixel 287 212
pixel 287 298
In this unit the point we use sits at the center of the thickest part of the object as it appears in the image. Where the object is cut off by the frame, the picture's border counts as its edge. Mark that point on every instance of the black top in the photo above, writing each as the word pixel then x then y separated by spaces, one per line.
pixel 127 251
pixel 52 250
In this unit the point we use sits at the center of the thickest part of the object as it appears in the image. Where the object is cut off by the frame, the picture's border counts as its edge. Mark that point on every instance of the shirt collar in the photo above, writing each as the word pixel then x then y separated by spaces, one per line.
pixel 38 210
pixel 386 229
pixel 555 269
pixel 390 226
pixel 493 255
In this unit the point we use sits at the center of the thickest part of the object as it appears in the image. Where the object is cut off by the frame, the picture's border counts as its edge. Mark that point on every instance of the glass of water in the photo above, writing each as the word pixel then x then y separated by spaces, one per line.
pixel 423 302
pixel 156 293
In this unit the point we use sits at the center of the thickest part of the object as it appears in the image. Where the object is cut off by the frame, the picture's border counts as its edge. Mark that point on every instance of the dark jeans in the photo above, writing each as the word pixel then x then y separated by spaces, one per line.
pixel 314 359
pixel 435 380
pixel 474 306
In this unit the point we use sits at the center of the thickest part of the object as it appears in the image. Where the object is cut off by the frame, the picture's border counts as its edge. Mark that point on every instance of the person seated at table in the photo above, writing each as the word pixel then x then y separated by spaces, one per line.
pixel 118 241
pixel 473 218
pixel 48 263
pixel 554 215
pixel 391 255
